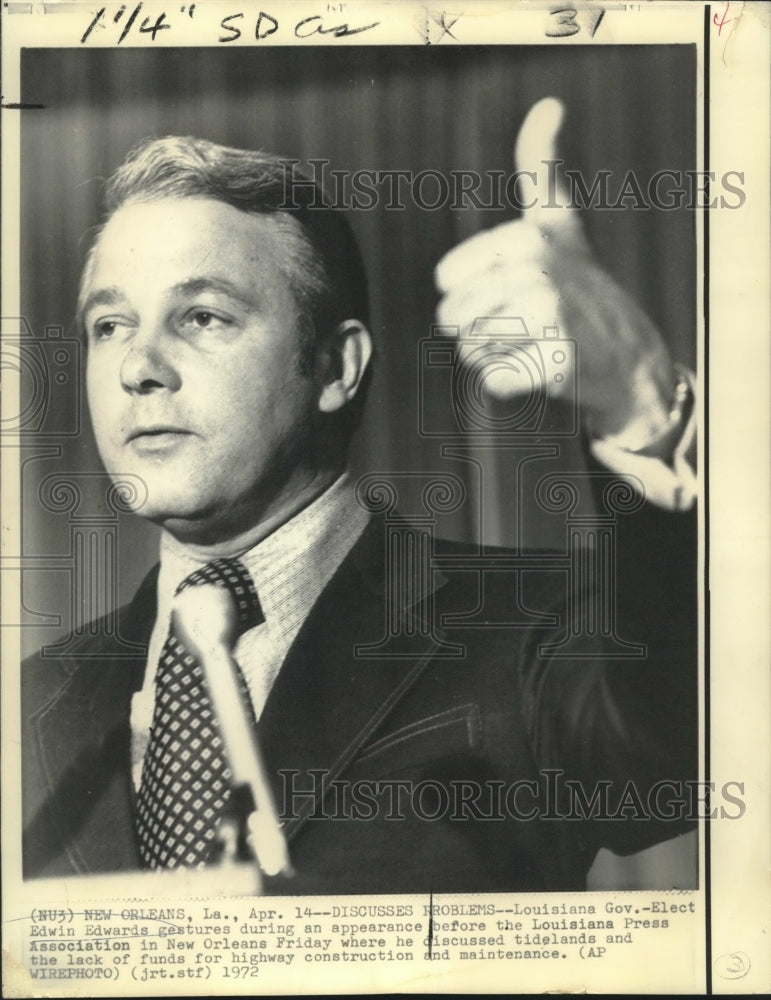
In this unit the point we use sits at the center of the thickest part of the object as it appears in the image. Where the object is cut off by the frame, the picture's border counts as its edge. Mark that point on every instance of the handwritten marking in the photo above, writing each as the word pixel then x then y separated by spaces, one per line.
pixel 563 21
pixel 22 107
pixel 97 18
pixel 132 18
pixel 735 965
pixel 145 27
pixel 724 20
pixel 339 31
pixel 438 17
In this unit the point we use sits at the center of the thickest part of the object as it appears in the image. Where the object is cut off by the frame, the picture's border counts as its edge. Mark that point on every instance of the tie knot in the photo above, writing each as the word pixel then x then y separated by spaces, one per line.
pixel 232 574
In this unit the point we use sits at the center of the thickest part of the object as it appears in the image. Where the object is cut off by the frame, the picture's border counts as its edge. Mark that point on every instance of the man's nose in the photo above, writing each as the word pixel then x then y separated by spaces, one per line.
pixel 147 367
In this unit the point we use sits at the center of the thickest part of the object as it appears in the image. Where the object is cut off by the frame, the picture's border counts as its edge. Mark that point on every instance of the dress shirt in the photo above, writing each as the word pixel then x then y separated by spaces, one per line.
pixel 290 568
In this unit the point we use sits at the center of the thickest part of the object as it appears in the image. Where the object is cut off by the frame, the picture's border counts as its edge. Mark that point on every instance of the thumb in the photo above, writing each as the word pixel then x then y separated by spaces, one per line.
pixel 546 201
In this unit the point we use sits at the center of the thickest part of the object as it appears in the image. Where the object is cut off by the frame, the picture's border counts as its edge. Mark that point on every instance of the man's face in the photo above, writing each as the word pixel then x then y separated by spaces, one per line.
pixel 193 376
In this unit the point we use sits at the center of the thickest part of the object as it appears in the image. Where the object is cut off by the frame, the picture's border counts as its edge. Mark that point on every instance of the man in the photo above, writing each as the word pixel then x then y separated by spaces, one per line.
pixel 228 360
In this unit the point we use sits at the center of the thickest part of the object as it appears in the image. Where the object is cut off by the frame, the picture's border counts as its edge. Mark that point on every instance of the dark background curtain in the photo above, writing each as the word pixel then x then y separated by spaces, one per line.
pixel 361 108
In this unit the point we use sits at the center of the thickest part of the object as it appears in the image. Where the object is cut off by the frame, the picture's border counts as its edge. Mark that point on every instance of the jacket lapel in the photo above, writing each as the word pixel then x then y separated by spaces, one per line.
pixel 328 698
pixel 83 737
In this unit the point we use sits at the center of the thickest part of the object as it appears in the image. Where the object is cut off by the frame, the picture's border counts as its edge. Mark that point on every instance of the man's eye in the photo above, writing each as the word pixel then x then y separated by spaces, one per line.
pixel 202 319
pixel 104 328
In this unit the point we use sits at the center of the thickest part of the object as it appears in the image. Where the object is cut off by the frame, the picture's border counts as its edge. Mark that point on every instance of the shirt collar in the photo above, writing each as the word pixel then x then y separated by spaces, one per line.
pixel 296 559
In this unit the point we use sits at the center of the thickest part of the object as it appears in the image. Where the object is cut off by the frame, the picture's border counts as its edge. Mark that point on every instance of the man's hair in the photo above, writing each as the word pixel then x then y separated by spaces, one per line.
pixel 322 260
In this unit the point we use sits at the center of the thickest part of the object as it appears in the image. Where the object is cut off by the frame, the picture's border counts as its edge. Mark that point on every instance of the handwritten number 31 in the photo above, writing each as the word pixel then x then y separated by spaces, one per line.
pixel 562 22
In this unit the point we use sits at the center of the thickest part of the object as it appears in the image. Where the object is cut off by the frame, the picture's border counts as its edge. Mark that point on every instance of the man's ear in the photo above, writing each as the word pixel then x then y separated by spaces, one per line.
pixel 341 361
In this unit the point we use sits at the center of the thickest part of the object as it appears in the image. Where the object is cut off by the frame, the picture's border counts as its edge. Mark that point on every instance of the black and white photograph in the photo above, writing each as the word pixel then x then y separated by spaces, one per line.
pixel 361 437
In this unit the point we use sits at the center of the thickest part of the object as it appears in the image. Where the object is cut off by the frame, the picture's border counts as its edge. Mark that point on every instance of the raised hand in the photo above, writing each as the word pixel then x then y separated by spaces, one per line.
pixel 541 269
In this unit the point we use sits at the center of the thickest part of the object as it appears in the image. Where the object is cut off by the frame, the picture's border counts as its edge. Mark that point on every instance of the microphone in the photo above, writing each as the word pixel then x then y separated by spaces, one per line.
pixel 205 620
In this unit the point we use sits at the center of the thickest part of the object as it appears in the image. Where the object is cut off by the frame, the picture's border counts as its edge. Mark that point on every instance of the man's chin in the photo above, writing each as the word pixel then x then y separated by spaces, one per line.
pixel 177 515
pixel 191 524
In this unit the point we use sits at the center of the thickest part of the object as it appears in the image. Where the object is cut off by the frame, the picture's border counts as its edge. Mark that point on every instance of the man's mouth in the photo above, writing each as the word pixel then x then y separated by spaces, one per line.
pixel 156 437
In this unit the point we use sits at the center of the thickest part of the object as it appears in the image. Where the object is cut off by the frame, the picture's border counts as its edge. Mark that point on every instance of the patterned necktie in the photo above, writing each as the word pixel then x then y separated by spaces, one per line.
pixel 185 783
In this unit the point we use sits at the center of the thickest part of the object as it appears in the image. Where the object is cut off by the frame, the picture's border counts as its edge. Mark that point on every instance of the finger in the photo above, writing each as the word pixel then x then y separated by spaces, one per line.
pixel 535 152
pixel 510 242
pixel 537 138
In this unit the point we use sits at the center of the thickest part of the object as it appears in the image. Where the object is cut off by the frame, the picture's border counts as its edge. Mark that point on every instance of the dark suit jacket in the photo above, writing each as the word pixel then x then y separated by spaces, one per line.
pixel 498 715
